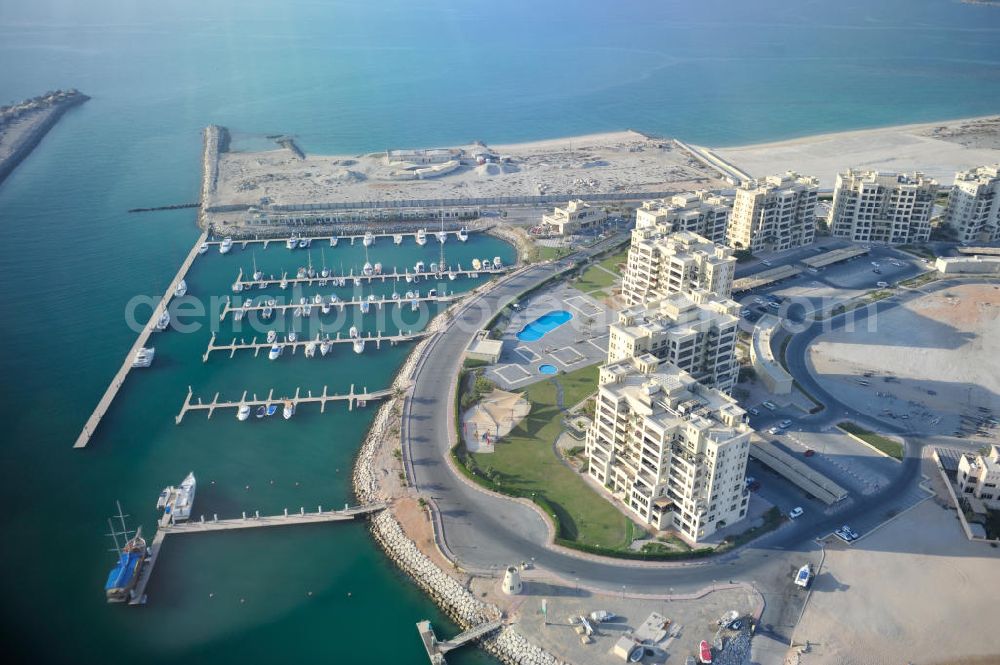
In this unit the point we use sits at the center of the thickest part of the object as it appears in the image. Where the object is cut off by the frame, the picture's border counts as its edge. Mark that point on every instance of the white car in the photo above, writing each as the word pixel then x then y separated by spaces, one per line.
pixel 773 431
pixel 766 262
pixel 882 285
pixel 795 512
pixel 769 405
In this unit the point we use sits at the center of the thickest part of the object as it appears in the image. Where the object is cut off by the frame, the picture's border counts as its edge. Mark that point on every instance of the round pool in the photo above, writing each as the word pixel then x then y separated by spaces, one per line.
pixel 547 369
pixel 546 323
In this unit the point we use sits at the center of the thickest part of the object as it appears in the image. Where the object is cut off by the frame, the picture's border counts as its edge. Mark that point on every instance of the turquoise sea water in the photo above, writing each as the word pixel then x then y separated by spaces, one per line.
pixel 345 77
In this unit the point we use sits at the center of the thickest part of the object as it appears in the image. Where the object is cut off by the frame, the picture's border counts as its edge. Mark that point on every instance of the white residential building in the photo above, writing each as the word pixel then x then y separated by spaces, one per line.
pixel 776 213
pixel 974 205
pixel 663 263
pixel 696 331
pixel 700 212
pixel 979 476
pixel 669 448
pixel 870 206
pixel 576 216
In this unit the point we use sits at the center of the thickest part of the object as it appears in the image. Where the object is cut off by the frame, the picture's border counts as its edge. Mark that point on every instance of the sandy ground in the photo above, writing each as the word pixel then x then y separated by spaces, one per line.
pixel 600 163
pixel 940 354
pixel 914 591
pixel 496 414
pixel 938 149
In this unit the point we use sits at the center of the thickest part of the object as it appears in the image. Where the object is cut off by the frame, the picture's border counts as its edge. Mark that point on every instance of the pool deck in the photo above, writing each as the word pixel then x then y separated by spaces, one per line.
pixel 581 341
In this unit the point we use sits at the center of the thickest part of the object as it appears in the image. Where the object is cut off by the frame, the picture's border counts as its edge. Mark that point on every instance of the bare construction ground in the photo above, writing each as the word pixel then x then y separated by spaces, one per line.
pixel 915 591
pixel 937 149
pixel 620 162
pixel 934 363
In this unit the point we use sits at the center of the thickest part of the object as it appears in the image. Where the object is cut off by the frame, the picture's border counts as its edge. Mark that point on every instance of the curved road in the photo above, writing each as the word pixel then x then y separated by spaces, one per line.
pixel 484 531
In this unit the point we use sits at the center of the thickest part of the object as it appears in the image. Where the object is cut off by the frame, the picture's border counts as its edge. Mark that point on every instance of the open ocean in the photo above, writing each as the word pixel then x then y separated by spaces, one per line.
pixel 343 76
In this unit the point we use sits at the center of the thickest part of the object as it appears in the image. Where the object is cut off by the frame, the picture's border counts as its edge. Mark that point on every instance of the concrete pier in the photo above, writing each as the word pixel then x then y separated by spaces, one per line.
pixel 116 383
pixel 256 521
pixel 350 239
pixel 352 398
pixel 340 304
pixel 394 276
pixel 436 650
pixel 257 347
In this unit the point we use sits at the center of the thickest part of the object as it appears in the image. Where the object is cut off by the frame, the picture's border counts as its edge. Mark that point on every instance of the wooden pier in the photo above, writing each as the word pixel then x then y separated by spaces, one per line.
pixel 255 521
pixel 340 304
pixel 119 379
pixel 352 398
pixel 257 347
pixel 395 276
pixel 348 238
pixel 437 650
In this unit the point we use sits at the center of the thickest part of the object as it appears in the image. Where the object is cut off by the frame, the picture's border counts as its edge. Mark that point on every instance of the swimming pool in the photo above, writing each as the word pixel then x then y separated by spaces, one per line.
pixel 547 369
pixel 546 323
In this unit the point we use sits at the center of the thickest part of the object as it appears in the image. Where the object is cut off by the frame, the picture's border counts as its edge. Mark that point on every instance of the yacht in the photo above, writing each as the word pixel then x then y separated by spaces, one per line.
pixel 288 411
pixel 377 268
pixel 238 314
pixel 441 236
pixel 422 237
pixel 324 347
pixel 291 336
pixel 176 502
pixel 451 275
pixel 486 264
pixel 268 311
pixel 476 264
pixel 274 352
pixel 463 235
pixel 272 336
pixel 367 269
pixel 297 311
pixel 354 332
pixel 398 238
pixel 359 346
pixel 243 413
pixel 303 243
pixel 310 349
pixel 144 357
pixel 307 310
pixel 292 242
pixel 181 289
pixel 369 239
pixel 497 263
pixel 163 321
pixel 365 306
pixel 409 277
pixel 418 266
pixel 225 246
pixel 260 412
pixel 237 286
pixel 131 557
pixel 317 299
pixel 202 248
pixel 333 241
pixel 284 283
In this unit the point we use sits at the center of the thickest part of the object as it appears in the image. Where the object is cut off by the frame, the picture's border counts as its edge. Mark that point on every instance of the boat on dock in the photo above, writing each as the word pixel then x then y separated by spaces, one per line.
pixel 303 243
pixel 442 237
pixel 132 555
pixel 176 502
pixel 418 266
pixel 463 234
pixel 422 237
pixel 288 411
pixel 163 321
pixel 398 238
pixel 292 242
pixel 497 263
pixel 225 246
pixel 274 353
pixel 243 413
pixel 181 290
pixel 144 357
pixel 803 577
pixel 324 347
pixel 202 248
pixel 310 349
pixel 237 286
pixel 369 239
pixel 333 241
pixel 291 336
pixel 353 332
pixel 476 264
pixel 359 346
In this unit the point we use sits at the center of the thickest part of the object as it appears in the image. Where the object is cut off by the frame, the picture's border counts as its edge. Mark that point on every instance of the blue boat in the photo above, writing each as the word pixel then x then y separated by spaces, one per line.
pixel 272 409
pixel 125 575
pixel 261 411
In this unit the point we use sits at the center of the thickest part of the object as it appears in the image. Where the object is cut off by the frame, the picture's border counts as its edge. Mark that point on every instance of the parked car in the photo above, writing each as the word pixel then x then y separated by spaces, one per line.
pixel 846 533
pixel 795 512
pixel 774 431
pixel 774 305
pixel 812 269
pixel 766 262
pixel 882 285
pixel 809 452
pixel 769 405
pixel 745 313
pixel 753 411
pixel 785 424
pixel 758 300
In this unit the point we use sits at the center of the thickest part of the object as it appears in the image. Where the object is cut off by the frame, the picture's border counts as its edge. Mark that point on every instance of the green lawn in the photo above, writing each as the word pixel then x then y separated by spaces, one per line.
pixel 526 463
pixel 886 445
pixel 545 253
pixel 594 279
pixel 611 263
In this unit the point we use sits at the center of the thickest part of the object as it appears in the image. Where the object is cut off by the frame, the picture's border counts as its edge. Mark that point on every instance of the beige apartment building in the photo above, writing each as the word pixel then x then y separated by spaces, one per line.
pixel 696 331
pixel 870 206
pixel 700 212
pixel 776 213
pixel 669 448
pixel 979 476
pixel 974 205
pixel 576 216
pixel 663 263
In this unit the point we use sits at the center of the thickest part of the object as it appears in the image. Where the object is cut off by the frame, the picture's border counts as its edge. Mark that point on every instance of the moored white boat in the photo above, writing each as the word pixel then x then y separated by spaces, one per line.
pixel 163 321
pixel 144 357
pixel 181 290
pixel 202 248
pixel 291 336
pixel 369 239
pixel 353 332
pixel 272 335
pixel 237 286
pixel 463 234
pixel 243 412
pixel 359 346
pixel 422 237
pixel 288 411
pixel 310 349
pixel 176 502
pixel 324 347
pixel 292 242
pixel 476 264
pixel 398 238
pixel 225 246
pixel 497 263
pixel 441 236
pixel 274 353
pixel 303 243
pixel 803 576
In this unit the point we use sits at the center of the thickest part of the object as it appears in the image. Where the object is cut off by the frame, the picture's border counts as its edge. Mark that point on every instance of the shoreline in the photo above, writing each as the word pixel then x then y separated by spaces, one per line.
pixel 26 138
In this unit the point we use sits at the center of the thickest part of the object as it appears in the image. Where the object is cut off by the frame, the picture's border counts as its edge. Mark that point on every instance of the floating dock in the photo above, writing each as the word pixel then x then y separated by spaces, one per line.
pixel 349 238
pixel 340 304
pixel 395 275
pixel 257 347
pixel 352 398
pixel 436 650
pixel 255 521
pixel 140 342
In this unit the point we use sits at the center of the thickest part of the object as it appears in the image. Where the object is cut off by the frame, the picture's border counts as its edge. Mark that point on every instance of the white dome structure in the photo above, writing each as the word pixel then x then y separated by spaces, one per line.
pixel 512 581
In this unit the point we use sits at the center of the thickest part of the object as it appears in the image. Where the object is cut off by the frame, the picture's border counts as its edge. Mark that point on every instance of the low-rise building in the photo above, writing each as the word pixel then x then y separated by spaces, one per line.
pixel 669 448
pixel 663 263
pixel 871 206
pixel 576 216
pixel 979 477
pixel 701 212
pixel 776 213
pixel 696 331
pixel 974 205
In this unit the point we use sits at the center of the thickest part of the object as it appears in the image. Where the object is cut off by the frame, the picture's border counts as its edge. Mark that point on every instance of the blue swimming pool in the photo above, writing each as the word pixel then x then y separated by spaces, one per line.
pixel 547 369
pixel 546 323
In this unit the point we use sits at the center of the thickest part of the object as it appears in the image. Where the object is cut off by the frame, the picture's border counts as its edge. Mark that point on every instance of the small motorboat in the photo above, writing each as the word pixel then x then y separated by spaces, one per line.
pixel 378 269
pixel 243 413
pixel 272 335
pixel 704 652
pixel 359 346
pixel 325 308
pixel 365 306
pixel 441 236
pixel 418 266
pixel 367 269
pixel 803 576
pixel 324 347
pixel 291 336
pixel 202 248
pixel 333 241
pixel 163 321
pixel 303 243
pixel 271 409
pixel 310 349
pixel 274 352
pixel 451 275
pixel 307 310
pixel 300 273
pixel 422 237
pixel 225 246
pixel 497 263
pixel 181 289
pixel 463 235
pixel 353 332
pixel 238 314
pixel 398 238
pixel 292 242
pixel 288 411
pixel 476 264
pixel 297 311
pixel 357 281
pixel 317 299
pixel 409 277
pixel 260 412
pixel 268 312
pixel 284 283
pixel 434 266
pixel 369 239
